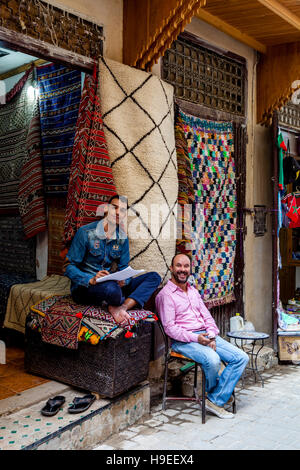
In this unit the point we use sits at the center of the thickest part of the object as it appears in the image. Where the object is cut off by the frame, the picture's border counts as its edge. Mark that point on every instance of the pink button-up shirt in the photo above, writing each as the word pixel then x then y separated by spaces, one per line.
pixel 182 313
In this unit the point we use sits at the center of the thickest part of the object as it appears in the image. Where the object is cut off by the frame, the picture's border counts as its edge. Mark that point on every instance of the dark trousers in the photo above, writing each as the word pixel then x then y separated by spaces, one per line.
pixel 139 288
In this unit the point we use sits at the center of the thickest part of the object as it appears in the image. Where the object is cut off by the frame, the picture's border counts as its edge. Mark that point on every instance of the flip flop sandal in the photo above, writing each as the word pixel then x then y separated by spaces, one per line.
pixel 53 405
pixel 81 404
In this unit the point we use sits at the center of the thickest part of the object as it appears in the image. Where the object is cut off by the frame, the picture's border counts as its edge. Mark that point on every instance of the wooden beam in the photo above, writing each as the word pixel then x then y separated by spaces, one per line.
pixel 22 68
pixel 230 30
pixel 28 45
pixel 281 11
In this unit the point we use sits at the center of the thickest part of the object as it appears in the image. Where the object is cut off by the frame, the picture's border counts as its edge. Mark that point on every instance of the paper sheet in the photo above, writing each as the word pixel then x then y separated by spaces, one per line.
pixel 121 275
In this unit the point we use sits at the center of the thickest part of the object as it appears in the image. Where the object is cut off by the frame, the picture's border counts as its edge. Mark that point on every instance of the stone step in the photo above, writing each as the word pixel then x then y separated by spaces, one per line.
pixel 25 428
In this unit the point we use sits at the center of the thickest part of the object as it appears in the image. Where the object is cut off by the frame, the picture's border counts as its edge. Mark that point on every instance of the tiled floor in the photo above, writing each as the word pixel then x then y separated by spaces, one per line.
pixel 13 378
pixel 27 426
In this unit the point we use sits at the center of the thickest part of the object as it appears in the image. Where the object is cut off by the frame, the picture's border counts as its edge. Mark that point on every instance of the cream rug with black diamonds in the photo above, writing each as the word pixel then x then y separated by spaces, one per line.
pixel 137 111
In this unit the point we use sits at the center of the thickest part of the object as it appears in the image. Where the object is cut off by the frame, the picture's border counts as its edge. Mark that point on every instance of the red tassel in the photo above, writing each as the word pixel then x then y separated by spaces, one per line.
pixel 155 317
pixel 128 334
pixel 79 315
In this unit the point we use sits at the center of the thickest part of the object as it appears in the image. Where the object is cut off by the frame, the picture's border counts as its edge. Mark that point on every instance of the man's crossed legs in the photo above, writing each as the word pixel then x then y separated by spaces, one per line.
pixel 119 299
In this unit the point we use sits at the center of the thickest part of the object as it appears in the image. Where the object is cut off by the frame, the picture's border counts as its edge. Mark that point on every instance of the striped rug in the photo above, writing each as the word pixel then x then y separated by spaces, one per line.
pixel 91 181
pixel 59 97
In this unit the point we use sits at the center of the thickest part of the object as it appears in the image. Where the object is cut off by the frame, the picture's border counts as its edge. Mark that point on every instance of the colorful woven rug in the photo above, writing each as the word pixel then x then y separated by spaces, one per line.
pixel 31 188
pixel 210 146
pixel 20 160
pixel 59 97
pixel 65 322
pixel 138 117
pixel 91 181
pixel 186 195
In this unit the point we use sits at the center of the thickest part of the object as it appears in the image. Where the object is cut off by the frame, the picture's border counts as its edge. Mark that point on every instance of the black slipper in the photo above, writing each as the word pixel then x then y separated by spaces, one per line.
pixel 81 404
pixel 53 405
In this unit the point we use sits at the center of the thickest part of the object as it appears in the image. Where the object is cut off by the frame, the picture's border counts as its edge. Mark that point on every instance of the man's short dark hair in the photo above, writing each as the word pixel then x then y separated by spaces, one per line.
pixel 117 196
pixel 188 256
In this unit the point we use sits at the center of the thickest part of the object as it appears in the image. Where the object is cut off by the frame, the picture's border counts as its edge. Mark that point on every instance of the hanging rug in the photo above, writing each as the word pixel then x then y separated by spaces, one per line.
pixel 210 148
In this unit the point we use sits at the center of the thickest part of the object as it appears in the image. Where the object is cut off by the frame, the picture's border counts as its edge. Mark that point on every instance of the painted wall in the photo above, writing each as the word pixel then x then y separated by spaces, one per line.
pixel 108 13
pixel 258 250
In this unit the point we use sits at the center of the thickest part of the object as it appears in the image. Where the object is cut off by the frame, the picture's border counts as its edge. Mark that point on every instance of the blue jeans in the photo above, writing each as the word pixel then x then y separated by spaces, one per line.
pixel 219 388
pixel 139 288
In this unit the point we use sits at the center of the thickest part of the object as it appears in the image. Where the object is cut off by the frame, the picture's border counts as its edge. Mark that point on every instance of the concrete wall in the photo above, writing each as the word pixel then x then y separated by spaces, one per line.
pixel 258 250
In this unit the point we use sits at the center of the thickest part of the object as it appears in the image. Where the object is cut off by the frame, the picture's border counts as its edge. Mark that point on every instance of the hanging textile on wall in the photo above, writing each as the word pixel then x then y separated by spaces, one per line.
pixel 17 260
pixel 186 195
pixel 210 146
pixel 91 181
pixel 59 97
pixel 138 116
pixel 56 223
pixel 21 178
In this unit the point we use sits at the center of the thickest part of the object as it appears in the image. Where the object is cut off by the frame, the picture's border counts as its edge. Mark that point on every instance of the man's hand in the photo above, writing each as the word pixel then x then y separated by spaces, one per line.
pixel 212 344
pixel 121 283
pixel 93 280
pixel 202 339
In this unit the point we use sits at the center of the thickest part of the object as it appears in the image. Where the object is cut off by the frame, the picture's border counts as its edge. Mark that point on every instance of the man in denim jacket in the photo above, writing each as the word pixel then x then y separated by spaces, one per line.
pixel 102 247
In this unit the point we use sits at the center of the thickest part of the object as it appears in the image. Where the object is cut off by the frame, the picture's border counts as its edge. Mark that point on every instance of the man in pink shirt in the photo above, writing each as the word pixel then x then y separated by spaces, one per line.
pixel 194 334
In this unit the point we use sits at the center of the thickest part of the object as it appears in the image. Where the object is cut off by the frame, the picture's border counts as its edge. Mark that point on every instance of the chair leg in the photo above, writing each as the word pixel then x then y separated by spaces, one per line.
pixel 203 398
pixel 234 403
pixel 165 384
pixel 196 375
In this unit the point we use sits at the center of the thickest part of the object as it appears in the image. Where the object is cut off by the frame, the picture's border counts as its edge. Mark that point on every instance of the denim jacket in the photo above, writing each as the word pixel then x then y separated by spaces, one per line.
pixel 91 252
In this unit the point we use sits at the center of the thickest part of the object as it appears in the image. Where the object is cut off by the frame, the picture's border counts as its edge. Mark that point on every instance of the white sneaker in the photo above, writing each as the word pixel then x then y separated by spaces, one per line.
pixel 218 410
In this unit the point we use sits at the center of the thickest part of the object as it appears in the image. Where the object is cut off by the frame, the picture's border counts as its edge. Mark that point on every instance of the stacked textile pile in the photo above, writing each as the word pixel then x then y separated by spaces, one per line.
pixel 23 296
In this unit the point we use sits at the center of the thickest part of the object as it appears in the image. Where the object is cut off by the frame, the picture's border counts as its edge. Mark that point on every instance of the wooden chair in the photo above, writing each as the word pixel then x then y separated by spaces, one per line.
pixel 170 356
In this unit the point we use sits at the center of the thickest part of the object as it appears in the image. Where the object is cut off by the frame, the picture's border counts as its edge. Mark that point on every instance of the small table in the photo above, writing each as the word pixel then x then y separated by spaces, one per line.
pixel 254 336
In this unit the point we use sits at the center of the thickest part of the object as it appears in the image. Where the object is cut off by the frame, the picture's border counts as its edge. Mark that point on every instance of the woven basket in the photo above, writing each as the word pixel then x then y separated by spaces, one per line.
pixel 110 368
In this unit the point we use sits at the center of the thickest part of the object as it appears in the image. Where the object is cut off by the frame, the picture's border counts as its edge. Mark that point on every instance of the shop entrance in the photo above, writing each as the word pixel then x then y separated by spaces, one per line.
pixel 286 241
pixel 28 241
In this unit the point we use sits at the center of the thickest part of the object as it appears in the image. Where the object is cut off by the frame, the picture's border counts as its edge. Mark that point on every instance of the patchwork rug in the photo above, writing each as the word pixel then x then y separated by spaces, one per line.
pixel 91 181
pixel 20 159
pixel 59 97
pixel 138 116
pixel 23 296
pixel 210 147
pixel 65 322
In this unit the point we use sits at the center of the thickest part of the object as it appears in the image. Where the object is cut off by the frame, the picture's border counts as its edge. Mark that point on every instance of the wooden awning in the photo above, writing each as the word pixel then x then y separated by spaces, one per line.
pixel 271 27
pixel 150 27
pixel 278 77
